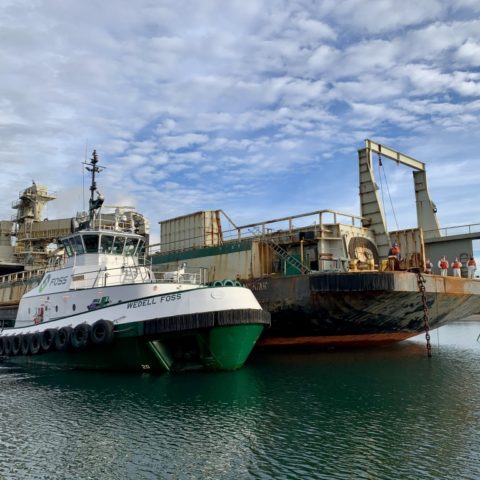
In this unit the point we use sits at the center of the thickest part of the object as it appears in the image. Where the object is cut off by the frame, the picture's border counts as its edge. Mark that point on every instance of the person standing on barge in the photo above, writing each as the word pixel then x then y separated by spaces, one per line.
pixel 428 266
pixel 394 251
pixel 456 266
pixel 393 256
pixel 471 267
pixel 443 266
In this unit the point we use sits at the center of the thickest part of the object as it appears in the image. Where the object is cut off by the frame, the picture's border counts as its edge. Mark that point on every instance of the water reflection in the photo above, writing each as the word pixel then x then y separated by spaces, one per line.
pixel 382 413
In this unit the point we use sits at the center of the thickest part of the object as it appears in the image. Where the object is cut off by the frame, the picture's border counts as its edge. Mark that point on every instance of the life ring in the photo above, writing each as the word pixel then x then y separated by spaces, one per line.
pixel 25 344
pixel 34 343
pixel 2 346
pixel 217 283
pixel 102 332
pixel 62 338
pixel 80 335
pixel 16 344
pixel 228 283
pixel 47 339
pixel 238 284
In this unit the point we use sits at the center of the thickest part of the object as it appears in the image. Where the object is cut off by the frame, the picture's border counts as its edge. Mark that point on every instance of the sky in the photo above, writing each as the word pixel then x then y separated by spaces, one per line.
pixel 254 107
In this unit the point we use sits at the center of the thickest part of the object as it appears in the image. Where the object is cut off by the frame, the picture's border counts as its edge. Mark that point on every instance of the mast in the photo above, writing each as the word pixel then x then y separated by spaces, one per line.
pixel 94 204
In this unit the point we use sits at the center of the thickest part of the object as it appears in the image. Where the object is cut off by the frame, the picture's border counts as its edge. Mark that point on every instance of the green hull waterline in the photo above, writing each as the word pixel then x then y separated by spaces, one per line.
pixel 215 348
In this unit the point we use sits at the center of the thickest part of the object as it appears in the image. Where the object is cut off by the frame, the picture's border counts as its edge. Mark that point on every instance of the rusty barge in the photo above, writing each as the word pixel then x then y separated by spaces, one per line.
pixel 327 277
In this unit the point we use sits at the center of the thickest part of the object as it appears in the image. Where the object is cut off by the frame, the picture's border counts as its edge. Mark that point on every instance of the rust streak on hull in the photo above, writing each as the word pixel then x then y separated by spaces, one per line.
pixel 366 340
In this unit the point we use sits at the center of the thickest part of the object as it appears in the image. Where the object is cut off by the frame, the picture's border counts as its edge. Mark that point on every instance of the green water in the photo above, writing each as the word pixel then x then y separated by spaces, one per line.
pixel 379 414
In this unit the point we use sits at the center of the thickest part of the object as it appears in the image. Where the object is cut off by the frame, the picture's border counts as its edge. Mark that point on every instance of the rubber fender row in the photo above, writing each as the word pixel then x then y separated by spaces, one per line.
pixel 226 283
pixel 100 333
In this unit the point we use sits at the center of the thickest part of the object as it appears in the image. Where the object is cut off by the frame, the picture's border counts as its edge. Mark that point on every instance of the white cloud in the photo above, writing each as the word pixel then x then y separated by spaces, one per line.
pixel 324 58
pixel 386 15
pixel 182 141
pixel 190 108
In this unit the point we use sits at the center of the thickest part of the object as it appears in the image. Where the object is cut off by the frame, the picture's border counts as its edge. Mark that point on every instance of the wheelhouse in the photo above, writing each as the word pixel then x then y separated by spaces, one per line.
pixel 108 243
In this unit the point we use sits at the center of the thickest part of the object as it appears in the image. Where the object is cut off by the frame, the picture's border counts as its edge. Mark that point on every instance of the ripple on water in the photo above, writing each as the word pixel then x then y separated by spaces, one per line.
pixel 384 414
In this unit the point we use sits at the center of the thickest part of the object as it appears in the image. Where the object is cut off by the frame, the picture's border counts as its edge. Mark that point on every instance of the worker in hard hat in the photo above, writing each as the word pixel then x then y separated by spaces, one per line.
pixel 394 251
pixel 393 257
pixel 471 267
pixel 443 266
pixel 456 266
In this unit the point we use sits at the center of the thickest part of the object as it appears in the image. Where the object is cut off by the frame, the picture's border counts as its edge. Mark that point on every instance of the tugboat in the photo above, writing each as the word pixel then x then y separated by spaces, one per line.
pixel 100 306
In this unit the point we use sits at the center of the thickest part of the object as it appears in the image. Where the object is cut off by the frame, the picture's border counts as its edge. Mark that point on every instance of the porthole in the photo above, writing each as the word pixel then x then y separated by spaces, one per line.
pixel 74 307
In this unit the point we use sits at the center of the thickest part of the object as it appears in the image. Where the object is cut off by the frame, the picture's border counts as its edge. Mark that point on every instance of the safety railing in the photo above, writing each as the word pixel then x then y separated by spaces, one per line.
pixel 102 277
pixel 471 231
pixel 318 222
pixel 22 276
pixel 459 230
pixel 315 221
pixel 184 275
pixel 128 274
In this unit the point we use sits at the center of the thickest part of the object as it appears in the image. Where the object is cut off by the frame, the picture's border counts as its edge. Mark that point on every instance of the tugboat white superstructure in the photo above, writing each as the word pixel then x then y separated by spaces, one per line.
pixel 101 307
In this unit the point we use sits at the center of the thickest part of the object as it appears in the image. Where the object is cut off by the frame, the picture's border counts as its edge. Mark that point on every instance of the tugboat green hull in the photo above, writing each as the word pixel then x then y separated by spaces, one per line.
pixel 216 348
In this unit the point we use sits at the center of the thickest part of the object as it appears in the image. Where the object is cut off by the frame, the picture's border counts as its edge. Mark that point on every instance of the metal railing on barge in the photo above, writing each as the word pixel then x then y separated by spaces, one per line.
pixel 22 277
pixel 471 230
pixel 276 230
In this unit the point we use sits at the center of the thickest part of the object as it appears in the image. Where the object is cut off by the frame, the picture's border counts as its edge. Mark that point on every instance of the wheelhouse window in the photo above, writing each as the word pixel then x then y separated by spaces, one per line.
pixel 73 245
pixel 118 244
pixel 91 243
pixel 106 243
pixel 140 253
pixel 130 246
pixel 78 244
pixel 66 242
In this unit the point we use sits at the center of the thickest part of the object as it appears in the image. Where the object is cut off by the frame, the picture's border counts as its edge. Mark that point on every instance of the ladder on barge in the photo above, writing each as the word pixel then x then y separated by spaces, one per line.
pixel 280 251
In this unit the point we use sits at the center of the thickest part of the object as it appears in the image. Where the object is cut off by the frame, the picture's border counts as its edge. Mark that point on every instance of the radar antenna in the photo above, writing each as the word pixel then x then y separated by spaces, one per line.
pixel 94 204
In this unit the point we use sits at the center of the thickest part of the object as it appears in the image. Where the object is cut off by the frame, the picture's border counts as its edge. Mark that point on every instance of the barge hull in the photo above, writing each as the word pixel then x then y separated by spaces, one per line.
pixel 359 308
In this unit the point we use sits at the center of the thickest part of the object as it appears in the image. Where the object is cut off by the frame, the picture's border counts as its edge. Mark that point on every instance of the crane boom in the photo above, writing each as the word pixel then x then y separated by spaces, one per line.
pixel 371 205
pixel 385 151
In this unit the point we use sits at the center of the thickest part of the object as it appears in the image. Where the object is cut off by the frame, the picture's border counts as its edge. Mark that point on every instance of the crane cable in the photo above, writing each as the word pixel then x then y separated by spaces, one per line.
pixel 381 169
pixel 381 187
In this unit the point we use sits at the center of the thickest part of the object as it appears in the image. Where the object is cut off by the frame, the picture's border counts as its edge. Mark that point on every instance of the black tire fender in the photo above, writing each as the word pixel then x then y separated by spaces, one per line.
pixel 16 344
pixel 8 346
pixel 81 335
pixel 62 338
pixel 34 343
pixel 47 339
pixel 102 332
pixel 25 344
